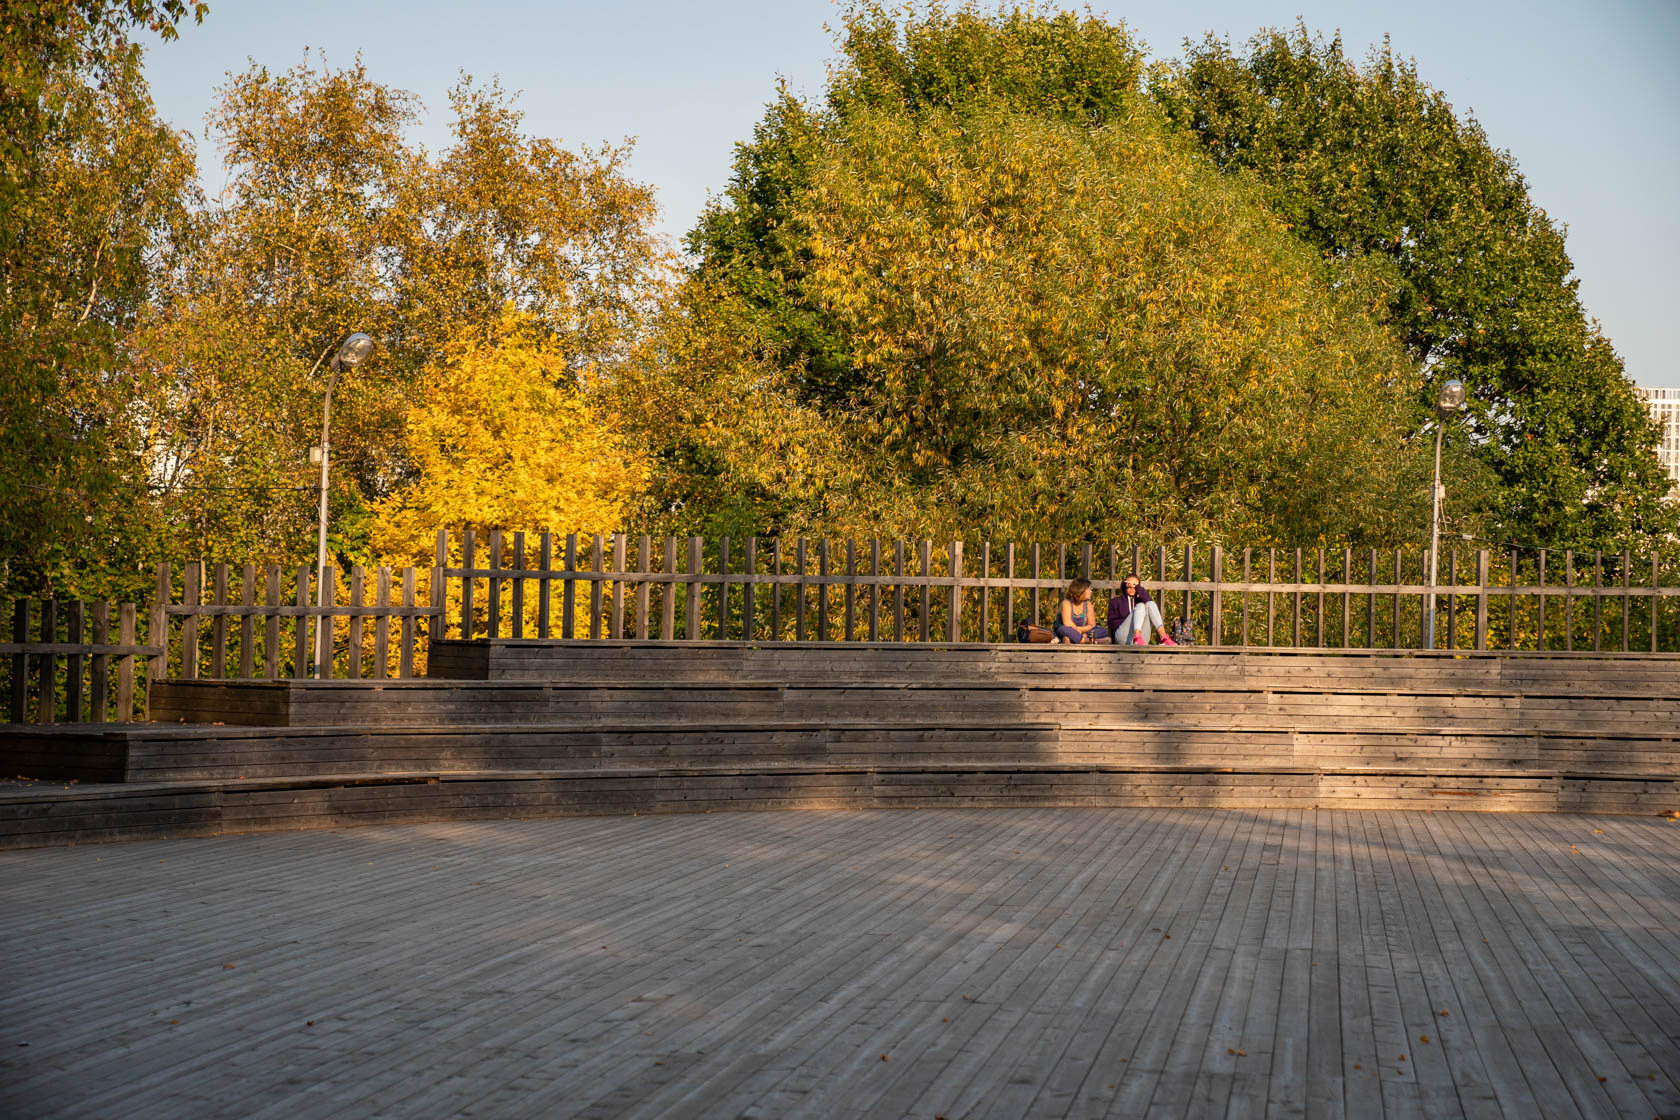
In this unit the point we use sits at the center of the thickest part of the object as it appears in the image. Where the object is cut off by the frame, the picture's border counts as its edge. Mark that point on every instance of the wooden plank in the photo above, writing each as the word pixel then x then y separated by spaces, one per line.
pixel 191 596
pixel 219 624
pixel 851 590
pixel 799 603
pixel 722 590
pixel 46 687
pixel 382 623
pixel 568 587
pixel 691 620
pixel 545 586
pixel 776 590
pixel 326 626
pixel 924 616
pixel 644 546
pixel 875 589
pixel 985 622
pixel 667 594
pixel 954 603
pixel 74 664
pixel 493 588
pixel 1483 571
pixel 469 624
pixel 405 649
pixel 248 622
pixel 1009 592
pixel 125 664
pixel 519 563
pixel 353 652
pixel 822 590
pixel 99 693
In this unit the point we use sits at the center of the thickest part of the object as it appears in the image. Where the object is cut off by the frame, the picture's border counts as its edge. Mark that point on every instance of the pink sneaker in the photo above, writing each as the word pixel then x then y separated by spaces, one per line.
pixel 1166 640
pixel 1140 639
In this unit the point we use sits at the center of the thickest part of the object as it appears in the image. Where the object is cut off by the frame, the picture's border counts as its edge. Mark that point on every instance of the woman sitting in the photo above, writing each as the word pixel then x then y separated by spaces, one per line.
pixel 1132 612
pixel 1077 626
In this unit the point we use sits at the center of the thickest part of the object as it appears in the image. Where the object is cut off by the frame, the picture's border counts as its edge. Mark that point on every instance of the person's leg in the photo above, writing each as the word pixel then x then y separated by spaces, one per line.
pixel 1155 615
pixel 1123 636
pixel 1068 634
pixel 1099 633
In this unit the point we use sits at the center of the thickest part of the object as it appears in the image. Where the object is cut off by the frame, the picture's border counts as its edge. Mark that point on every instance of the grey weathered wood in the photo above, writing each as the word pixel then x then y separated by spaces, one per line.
pixel 21 611
pixel 326 626
pixel 1482 572
pixel 1540 582
pixel 353 653
pixel 469 625
pixel 691 598
pixel 1598 599
pixel 898 592
pixel 722 590
pixel 248 622
pixel 667 594
pixel 518 604
pixel 300 629
pixel 382 623
pixel 100 668
pixel 799 603
pixel 822 590
pixel 271 624
pixel 644 547
pixel 1569 600
pixel 1009 591
pixel 954 608
pixel 1271 577
pixel 219 624
pixel 405 652
pixel 776 590
pixel 924 616
pixel 620 588
pixel 545 586
pixel 46 688
pixel 191 594
pixel 875 589
pixel 493 588
pixel 1037 615
pixel 126 616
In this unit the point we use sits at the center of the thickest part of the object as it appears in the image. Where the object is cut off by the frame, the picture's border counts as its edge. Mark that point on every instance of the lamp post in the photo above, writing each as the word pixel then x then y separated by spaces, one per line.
pixel 350 355
pixel 1448 401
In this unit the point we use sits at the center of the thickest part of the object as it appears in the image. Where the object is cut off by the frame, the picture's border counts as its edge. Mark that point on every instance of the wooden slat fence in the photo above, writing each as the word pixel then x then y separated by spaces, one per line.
pixel 518 585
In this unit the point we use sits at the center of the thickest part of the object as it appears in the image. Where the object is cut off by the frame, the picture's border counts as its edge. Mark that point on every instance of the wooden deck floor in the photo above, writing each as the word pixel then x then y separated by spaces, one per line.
pixel 982 963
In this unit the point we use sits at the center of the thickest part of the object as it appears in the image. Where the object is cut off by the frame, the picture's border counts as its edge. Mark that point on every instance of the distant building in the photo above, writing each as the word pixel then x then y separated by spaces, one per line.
pixel 1665 410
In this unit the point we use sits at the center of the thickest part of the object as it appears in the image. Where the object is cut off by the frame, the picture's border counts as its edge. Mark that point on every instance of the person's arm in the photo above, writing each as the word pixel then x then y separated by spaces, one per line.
pixel 1067 615
pixel 1114 620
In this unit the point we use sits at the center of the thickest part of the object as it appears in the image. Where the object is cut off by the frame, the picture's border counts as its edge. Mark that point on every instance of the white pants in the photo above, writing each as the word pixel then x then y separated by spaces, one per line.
pixel 1144 615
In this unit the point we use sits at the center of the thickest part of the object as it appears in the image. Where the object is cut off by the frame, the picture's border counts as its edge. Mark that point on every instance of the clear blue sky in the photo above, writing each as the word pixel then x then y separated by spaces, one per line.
pixel 1585 96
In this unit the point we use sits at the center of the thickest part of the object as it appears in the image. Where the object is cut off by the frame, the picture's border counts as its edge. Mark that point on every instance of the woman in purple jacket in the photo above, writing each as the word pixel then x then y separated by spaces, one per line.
pixel 1131 612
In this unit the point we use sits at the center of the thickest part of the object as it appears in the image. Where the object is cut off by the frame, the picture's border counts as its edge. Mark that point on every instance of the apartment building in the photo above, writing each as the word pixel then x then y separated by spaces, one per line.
pixel 1665 409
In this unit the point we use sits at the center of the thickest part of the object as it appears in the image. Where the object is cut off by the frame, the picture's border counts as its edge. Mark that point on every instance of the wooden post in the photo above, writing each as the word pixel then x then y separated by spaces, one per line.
pixel 1626 605
pixel 691 618
pixel 382 623
pixel 1540 629
pixel 99 695
pixel 247 622
pixel 875 589
pixel 644 545
pixel 1598 599
pixel 20 660
pixel 851 590
pixel 568 586
pixel 1371 601
pixel 985 592
pixel 1189 579
pixel 598 566
pixel 1482 573
pixel 953 614
pixel 73 663
pixel 1037 618
pixel 353 658
pixel 326 628
pixel 1295 632
pixel 1654 589
pixel 191 598
pixel 218 625
pixel 1247 579
pixel 924 552
pixel 1347 596
pixel 545 582
pixel 898 593
pixel 1452 599
pixel 822 590
pixel 1318 623
pixel 1216 598
pixel 1569 600
pixel 1009 591
pixel 799 591
pixel 723 590
pixel 518 565
pixel 271 622
pixel 469 541
pixel 776 590
pixel 1271 578
pixel 157 632
pixel 300 628
pixel 46 697
pixel 405 655
pixel 1397 598
pixel 621 548
pixel 125 663
pixel 440 561
pixel 493 597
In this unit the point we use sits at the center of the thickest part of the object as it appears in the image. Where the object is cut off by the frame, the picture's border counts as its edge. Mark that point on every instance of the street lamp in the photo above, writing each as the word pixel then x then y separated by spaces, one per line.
pixel 351 354
pixel 1448 401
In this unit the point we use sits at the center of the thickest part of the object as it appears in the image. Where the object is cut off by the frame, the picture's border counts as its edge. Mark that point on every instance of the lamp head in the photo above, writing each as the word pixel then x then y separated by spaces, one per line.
pixel 1449 400
pixel 355 350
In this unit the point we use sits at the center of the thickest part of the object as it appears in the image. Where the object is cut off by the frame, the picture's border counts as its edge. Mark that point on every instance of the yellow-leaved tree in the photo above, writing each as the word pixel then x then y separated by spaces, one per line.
pixel 504 434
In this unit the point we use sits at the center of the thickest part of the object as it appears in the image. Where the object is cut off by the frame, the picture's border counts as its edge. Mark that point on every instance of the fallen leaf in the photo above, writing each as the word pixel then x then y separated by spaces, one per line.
pixel 227 966
pixel 883 1057
pixel 1423 1038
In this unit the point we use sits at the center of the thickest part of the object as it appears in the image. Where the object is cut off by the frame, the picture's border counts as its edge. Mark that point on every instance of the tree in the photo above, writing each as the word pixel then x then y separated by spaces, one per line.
pixel 501 435
pixel 332 222
pixel 1371 162
pixel 93 195
pixel 1011 301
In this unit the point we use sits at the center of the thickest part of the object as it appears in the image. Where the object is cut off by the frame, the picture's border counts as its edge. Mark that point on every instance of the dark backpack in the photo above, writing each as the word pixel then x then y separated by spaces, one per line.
pixel 1184 632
